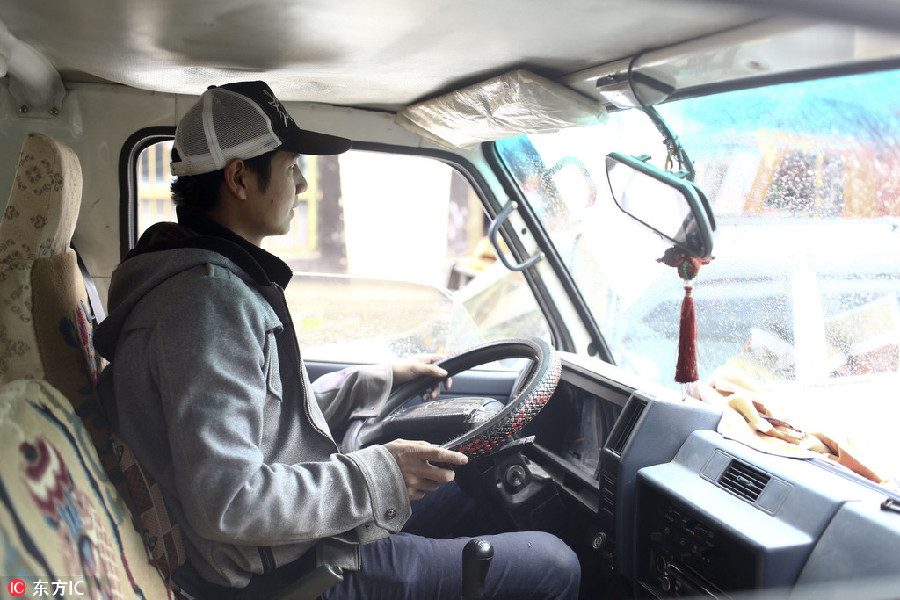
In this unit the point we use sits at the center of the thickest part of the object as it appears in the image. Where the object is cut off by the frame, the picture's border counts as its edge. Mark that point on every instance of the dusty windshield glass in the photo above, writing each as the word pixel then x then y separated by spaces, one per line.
pixel 800 301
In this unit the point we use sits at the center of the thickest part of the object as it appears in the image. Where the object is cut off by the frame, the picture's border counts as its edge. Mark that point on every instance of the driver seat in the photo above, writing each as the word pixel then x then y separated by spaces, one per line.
pixel 58 470
pixel 61 514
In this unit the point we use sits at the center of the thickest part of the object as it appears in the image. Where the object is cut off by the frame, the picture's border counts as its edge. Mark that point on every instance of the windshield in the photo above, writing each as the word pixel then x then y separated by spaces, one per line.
pixel 800 299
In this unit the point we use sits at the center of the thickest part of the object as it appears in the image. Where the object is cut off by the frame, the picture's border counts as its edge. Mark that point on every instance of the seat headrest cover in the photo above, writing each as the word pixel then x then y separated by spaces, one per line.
pixel 40 217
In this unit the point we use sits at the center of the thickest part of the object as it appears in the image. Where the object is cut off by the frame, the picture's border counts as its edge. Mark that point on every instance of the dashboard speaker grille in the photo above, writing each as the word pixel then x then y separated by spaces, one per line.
pixel 743 480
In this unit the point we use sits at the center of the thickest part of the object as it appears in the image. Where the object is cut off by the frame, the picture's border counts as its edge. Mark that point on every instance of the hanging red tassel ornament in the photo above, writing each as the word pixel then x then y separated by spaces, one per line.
pixel 686 367
pixel 688 268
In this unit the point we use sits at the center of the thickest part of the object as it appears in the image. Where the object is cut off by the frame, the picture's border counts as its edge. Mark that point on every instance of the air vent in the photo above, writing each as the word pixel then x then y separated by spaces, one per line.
pixel 743 480
pixel 624 427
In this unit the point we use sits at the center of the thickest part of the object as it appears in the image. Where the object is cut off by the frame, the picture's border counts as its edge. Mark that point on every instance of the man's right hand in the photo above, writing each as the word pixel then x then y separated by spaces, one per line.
pixel 415 460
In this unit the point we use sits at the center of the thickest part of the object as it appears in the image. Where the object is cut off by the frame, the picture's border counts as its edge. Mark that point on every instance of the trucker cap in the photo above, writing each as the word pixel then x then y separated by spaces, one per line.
pixel 241 120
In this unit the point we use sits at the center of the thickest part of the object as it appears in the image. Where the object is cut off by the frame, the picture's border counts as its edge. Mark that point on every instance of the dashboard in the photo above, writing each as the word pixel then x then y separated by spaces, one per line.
pixel 643 487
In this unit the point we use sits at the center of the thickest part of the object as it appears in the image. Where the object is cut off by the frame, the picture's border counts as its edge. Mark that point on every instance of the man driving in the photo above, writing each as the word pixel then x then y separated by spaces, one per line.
pixel 211 393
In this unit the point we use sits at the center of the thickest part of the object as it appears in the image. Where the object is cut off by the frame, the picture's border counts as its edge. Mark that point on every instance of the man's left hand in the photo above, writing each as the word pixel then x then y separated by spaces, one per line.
pixel 422 366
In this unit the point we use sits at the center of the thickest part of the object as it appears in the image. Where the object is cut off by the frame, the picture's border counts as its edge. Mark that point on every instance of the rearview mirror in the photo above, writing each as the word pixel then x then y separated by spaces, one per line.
pixel 672 206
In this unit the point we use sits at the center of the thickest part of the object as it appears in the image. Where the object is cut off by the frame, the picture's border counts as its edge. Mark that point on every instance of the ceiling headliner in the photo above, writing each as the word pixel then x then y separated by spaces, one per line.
pixel 381 54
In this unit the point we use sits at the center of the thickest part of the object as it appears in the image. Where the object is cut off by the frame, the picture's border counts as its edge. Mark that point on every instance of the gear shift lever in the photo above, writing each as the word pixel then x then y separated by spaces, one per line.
pixel 476 560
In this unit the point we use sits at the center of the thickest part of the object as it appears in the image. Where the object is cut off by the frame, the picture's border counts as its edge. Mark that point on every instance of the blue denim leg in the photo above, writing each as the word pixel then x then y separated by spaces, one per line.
pixel 526 564
pixel 449 512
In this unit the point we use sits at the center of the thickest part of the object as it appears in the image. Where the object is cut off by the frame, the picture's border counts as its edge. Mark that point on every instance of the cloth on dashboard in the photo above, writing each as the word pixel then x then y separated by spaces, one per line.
pixel 747 419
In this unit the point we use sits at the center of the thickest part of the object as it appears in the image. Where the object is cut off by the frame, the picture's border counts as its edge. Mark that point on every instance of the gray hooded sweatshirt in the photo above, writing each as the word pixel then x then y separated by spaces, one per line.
pixel 212 396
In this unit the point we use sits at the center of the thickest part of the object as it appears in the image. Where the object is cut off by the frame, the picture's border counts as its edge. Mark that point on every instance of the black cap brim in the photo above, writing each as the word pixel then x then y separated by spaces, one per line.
pixel 301 141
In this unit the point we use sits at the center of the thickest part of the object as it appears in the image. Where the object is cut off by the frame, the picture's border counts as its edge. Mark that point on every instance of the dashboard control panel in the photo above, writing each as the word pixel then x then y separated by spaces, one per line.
pixel 681 554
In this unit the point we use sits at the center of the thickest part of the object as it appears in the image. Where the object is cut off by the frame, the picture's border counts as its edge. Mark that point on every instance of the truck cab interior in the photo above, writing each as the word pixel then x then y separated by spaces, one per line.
pixel 656 240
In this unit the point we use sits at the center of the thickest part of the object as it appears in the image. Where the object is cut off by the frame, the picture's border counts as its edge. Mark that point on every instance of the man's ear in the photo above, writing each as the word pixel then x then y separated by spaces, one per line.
pixel 235 178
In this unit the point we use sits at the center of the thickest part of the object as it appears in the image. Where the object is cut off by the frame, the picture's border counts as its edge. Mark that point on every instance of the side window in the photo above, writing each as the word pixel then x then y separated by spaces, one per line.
pixel 389 254
pixel 153 179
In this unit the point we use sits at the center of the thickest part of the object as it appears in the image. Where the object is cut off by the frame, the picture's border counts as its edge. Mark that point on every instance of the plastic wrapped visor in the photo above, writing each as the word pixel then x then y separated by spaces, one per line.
pixel 512 104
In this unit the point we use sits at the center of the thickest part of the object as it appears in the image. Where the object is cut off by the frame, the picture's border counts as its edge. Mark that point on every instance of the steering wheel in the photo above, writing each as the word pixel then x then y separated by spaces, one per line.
pixel 489 431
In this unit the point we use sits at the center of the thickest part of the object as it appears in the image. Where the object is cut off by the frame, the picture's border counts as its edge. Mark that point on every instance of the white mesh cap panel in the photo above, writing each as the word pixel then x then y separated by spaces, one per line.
pixel 224 125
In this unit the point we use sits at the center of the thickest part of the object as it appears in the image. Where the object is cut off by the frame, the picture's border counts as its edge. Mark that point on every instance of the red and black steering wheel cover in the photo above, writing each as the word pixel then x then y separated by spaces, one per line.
pixel 529 399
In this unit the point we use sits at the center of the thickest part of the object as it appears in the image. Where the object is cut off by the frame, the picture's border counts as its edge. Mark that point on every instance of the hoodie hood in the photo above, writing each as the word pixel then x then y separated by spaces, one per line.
pixel 167 249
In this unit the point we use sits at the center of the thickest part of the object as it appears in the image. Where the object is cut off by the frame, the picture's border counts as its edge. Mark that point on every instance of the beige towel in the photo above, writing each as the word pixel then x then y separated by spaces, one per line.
pixel 746 418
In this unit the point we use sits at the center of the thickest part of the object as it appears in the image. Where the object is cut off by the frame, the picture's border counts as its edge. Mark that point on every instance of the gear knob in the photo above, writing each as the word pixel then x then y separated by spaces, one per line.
pixel 476 560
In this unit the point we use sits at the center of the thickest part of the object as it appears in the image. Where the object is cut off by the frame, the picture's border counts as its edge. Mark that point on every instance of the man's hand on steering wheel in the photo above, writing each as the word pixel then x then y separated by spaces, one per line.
pixel 478 438
pixel 417 461
pixel 422 365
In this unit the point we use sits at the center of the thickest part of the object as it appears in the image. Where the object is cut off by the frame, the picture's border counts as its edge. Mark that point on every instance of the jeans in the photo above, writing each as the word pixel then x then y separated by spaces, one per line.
pixel 423 563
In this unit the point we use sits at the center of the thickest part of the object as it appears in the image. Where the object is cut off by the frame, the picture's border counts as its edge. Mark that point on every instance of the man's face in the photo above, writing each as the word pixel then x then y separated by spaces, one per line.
pixel 272 210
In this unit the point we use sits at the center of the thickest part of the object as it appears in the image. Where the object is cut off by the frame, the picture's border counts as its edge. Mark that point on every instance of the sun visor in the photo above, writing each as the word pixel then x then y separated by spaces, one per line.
pixel 505 106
